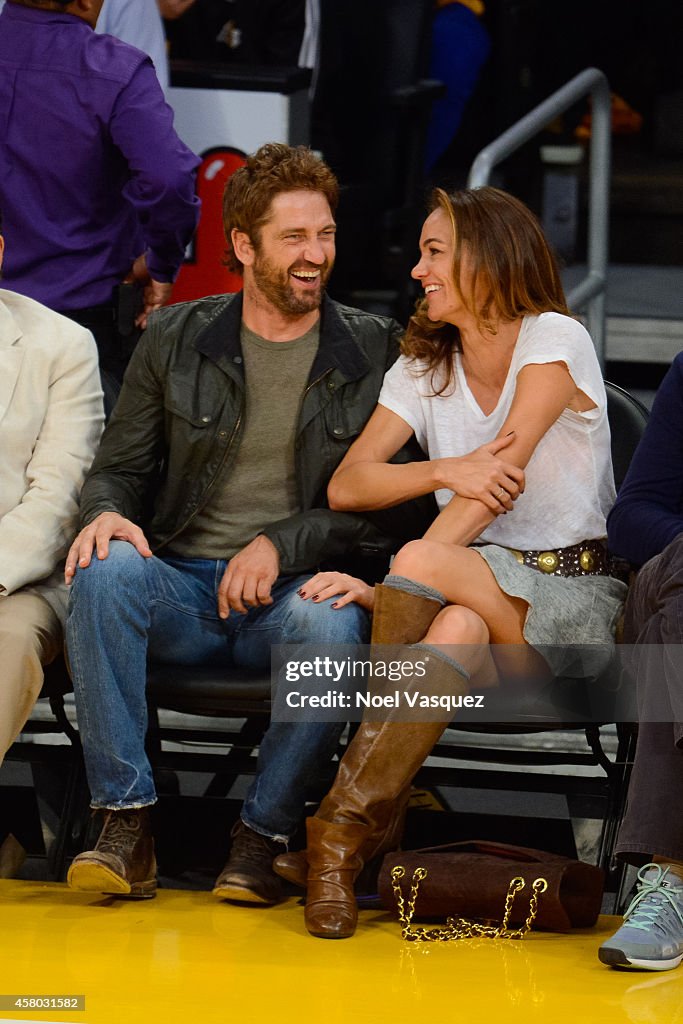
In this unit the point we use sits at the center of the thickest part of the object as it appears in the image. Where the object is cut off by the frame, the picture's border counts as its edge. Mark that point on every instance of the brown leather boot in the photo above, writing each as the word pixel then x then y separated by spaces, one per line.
pixel 397 618
pixel 331 909
pixel 401 618
pixel 248 876
pixel 123 862
pixel 293 865
pixel 378 766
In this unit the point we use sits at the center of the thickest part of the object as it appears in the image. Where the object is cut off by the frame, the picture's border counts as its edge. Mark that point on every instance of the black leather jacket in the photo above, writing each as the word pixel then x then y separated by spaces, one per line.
pixel 177 426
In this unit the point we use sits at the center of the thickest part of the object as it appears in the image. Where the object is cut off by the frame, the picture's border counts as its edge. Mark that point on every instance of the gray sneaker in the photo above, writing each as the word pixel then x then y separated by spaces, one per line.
pixel 651 937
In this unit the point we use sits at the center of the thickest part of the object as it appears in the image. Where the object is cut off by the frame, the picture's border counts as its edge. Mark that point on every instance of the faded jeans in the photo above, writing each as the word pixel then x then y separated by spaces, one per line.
pixel 127 609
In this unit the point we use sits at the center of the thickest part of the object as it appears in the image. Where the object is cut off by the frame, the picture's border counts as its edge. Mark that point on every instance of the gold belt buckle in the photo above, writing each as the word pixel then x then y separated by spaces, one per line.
pixel 548 562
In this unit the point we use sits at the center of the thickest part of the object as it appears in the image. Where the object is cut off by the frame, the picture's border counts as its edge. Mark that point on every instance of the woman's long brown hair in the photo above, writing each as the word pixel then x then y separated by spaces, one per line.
pixel 508 253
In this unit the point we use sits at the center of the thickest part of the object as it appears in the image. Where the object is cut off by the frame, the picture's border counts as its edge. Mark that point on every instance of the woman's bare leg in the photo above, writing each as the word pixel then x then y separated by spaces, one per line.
pixel 465 579
pixel 467 582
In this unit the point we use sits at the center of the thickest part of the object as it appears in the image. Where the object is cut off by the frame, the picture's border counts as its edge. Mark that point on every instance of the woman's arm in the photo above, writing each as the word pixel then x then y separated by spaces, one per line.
pixel 542 392
pixel 364 480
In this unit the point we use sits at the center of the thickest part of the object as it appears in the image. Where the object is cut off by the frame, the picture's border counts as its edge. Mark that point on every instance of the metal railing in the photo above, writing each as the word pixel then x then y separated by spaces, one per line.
pixel 589 293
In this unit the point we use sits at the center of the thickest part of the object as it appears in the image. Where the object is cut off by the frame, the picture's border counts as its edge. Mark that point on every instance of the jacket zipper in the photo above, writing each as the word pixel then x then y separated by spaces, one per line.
pixel 299 475
pixel 207 489
pixel 167 540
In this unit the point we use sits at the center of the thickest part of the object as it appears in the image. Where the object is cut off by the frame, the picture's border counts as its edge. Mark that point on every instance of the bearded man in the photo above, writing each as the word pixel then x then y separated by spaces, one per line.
pixel 206 510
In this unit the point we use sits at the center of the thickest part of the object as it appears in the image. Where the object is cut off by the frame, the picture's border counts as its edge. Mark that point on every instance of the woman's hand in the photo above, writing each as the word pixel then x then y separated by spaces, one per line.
pixel 482 475
pixel 345 588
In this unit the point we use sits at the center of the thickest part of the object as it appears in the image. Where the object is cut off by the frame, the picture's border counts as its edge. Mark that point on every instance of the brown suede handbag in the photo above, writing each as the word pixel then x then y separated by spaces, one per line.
pixel 471 880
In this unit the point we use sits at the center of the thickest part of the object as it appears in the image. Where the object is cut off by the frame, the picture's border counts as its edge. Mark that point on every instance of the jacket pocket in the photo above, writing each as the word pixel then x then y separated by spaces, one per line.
pixel 190 406
pixel 345 422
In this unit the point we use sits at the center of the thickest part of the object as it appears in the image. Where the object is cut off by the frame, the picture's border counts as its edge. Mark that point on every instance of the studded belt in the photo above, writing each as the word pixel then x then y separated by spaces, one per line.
pixel 589 558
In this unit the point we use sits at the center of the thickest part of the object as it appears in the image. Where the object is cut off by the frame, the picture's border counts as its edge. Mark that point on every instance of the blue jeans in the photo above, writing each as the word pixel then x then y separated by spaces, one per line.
pixel 126 609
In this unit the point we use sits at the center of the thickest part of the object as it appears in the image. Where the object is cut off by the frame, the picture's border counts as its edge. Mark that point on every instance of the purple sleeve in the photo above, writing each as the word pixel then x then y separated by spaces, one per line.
pixel 162 169
pixel 648 513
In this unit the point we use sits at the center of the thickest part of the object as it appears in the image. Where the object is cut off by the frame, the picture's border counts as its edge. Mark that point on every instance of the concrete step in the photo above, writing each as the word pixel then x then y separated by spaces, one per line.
pixel 636 340
pixel 644 311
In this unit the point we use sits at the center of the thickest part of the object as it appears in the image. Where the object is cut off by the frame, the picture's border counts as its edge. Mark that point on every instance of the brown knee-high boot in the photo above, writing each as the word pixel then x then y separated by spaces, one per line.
pixel 377 768
pixel 401 618
pixel 397 618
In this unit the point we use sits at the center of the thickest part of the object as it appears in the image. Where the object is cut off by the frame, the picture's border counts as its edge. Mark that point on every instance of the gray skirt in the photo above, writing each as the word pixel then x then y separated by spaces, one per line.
pixel 571 619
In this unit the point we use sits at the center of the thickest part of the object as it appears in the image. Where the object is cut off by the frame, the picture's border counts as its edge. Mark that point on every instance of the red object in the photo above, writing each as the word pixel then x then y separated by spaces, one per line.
pixel 203 272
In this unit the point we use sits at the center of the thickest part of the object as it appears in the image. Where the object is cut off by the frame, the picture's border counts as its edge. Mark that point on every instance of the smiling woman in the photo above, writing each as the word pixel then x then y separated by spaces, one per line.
pixel 502 389
pixel 483 257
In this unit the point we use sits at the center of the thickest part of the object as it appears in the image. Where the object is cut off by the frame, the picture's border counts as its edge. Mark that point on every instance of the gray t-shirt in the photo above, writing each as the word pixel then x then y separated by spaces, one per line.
pixel 260 486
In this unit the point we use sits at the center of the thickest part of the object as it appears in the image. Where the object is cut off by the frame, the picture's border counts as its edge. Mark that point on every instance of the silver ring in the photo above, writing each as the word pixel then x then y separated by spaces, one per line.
pixel 501 492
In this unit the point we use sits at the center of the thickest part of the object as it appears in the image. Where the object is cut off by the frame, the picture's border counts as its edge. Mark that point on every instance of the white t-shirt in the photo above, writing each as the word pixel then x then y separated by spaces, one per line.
pixel 569 478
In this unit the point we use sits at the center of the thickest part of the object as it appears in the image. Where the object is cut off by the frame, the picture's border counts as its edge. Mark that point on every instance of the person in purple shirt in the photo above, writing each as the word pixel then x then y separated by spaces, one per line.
pixel 646 527
pixel 96 187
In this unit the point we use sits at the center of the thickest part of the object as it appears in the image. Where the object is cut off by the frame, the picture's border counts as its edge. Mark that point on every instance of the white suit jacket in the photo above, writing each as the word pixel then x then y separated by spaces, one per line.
pixel 51 418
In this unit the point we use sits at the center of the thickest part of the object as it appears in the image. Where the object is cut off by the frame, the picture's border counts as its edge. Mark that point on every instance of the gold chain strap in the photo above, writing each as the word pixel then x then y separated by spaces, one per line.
pixel 461 927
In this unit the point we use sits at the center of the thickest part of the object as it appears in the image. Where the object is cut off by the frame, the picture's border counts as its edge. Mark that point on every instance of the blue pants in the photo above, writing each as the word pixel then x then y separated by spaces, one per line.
pixel 460 48
pixel 126 609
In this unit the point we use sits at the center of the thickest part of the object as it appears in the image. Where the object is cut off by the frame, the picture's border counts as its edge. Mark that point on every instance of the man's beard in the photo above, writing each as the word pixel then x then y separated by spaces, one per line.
pixel 276 286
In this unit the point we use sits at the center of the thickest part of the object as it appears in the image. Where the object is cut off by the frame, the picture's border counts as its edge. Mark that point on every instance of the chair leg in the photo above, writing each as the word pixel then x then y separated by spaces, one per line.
pixel 74 809
pixel 619 778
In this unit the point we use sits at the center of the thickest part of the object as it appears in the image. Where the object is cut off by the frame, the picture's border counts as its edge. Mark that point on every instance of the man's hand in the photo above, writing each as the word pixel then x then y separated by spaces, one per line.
pixel 96 535
pixel 249 577
pixel 482 475
pixel 155 294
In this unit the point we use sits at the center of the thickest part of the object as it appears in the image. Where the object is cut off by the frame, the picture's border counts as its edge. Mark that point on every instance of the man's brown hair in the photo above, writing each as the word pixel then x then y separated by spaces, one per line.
pixel 274 168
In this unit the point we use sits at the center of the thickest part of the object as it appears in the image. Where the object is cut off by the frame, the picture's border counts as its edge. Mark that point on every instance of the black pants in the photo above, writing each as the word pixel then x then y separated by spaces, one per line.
pixel 115 344
pixel 653 823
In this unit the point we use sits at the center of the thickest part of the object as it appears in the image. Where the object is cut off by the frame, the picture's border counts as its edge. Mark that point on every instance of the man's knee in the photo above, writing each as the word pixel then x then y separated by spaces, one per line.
pixel 319 622
pixel 124 566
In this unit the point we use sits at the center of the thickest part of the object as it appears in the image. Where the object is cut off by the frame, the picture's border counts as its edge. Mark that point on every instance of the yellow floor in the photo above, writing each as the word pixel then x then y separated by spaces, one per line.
pixel 185 957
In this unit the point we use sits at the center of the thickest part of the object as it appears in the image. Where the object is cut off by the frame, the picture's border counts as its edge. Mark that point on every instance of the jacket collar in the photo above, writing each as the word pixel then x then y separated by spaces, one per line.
pixel 219 340
pixel 338 349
